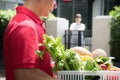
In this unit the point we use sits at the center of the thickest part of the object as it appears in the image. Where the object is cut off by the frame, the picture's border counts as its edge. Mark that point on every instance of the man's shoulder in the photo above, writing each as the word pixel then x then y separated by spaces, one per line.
pixel 73 24
pixel 22 20
pixel 83 24
pixel 20 17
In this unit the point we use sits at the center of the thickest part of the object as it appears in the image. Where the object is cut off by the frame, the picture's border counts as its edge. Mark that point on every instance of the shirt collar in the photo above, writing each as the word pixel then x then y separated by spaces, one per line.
pixel 24 10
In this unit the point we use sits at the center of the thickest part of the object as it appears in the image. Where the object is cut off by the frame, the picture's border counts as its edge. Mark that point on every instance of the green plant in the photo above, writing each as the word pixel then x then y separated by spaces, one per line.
pixel 115 32
pixel 5 16
pixel 50 16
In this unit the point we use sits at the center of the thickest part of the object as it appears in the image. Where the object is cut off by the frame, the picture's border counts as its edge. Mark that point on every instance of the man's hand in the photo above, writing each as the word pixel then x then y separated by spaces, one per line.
pixel 31 74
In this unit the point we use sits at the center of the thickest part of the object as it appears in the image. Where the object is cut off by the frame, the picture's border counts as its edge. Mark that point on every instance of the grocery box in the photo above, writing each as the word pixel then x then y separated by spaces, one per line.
pixel 88 75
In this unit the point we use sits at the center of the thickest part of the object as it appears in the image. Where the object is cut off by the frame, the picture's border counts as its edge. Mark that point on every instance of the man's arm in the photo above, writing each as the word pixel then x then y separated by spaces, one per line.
pixel 31 74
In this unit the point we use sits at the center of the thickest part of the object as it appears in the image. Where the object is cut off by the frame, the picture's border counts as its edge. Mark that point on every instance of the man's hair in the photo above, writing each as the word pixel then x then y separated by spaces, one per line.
pixel 78 15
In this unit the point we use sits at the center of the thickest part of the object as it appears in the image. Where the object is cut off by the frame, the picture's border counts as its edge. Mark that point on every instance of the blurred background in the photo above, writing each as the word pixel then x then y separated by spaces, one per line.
pixel 66 9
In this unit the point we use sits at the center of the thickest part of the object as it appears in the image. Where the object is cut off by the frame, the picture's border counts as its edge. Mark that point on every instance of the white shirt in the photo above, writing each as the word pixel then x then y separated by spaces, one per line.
pixel 75 26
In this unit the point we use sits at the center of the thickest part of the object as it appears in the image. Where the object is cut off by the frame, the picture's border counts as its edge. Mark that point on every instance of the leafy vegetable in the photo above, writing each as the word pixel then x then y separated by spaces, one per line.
pixel 91 65
pixel 73 60
pixel 104 60
pixel 40 53
pixel 64 59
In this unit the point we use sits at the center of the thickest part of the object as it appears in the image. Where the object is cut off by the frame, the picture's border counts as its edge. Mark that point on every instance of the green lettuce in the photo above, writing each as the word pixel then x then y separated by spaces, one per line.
pixel 64 59
pixel 91 65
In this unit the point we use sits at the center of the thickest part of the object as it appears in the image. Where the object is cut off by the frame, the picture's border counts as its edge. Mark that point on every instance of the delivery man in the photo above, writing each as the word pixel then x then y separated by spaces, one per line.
pixel 22 36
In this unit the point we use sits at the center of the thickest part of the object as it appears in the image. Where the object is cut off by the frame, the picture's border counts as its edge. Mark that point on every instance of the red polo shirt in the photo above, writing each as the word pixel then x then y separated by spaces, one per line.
pixel 21 39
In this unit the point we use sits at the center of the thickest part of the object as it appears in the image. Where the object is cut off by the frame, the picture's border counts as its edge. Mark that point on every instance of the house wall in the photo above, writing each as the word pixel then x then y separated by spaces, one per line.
pixel 101 33
pixel 7 5
pixel 10 4
pixel 56 27
pixel 98 8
